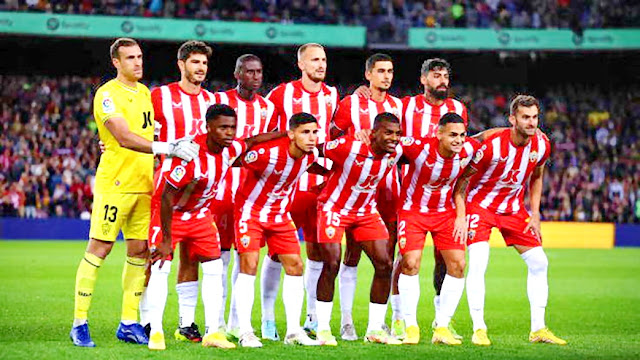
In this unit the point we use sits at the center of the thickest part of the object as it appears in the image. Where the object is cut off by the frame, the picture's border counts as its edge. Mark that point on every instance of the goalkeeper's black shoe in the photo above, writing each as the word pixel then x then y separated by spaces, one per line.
pixel 188 333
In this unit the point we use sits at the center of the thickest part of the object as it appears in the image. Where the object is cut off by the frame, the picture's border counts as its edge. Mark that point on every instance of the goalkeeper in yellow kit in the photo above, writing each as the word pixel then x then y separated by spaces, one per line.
pixel 124 182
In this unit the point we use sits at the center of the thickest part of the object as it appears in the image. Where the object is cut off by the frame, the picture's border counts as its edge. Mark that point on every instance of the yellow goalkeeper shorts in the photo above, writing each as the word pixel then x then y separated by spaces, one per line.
pixel 113 212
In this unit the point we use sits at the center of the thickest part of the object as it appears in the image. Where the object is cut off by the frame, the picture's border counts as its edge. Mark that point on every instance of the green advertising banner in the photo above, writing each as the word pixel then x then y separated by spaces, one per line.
pixel 524 39
pixel 169 29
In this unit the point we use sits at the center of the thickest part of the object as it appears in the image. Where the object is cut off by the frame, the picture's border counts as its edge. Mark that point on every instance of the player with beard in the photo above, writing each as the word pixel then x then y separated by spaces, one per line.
pixel 180 109
pixel 507 161
pixel 256 115
pixel 421 116
pixel 355 115
pixel 311 95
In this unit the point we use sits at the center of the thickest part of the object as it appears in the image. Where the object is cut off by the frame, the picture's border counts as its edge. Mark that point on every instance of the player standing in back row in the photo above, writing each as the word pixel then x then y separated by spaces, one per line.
pixel 124 181
pixel 507 160
pixel 311 95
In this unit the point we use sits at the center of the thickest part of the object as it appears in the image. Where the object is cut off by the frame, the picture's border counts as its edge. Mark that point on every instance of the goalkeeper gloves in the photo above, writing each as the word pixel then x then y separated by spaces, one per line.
pixel 183 148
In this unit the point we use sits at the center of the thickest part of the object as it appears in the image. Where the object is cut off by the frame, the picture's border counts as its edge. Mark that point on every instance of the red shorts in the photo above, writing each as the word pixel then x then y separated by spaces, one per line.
pixel 413 228
pixel 223 214
pixel 387 202
pixel 368 227
pixel 511 226
pixel 198 233
pixel 303 213
pixel 251 235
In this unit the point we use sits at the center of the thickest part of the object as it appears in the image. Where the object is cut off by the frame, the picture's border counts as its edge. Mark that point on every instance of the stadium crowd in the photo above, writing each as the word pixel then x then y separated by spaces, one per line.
pixel 391 14
pixel 49 151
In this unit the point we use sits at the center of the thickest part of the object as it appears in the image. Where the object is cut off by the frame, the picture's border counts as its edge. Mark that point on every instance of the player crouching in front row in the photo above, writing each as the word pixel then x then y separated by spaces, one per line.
pixel 185 218
pixel 434 165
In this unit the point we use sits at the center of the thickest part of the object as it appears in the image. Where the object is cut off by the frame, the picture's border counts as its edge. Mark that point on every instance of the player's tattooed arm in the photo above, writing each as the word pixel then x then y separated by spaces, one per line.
pixel 460 226
pixel 317 169
pixel 481 136
pixel 162 250
pixel 535 194
pixel 264 137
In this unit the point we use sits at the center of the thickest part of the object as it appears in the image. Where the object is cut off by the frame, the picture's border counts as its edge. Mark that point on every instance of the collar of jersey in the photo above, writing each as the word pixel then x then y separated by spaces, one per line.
pixel 126 87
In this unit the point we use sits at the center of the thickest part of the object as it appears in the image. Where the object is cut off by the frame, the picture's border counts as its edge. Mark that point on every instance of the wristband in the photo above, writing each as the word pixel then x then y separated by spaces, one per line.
pixel 158 147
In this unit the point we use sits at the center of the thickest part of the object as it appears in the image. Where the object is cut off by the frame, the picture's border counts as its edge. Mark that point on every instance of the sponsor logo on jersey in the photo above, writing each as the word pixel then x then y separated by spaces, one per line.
pixel 251 156
pixel 176 105
pixel 178 173
pixel 407 140
pixel 108 106
pixel 533 157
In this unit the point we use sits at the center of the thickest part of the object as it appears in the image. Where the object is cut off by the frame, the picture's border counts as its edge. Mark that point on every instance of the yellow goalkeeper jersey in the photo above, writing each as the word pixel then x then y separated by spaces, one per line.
pixel 122 170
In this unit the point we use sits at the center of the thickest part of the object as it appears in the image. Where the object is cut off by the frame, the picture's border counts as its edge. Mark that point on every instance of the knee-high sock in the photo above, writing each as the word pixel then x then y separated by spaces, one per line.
pixel 212 294
pixel 145 316
pixel 324 309
pixel 409 288
pixel 293 296
pixel 478 261
pixel 133 276
pixel 347 278
pixel 187 302
pixel 233 314
pixel 450 295
pixel 156 294
pixel 269 286
pixel 225 256
pixel 311 276
pixel 537 287
pixel 377 313
pixel 85 283
pixel 244 292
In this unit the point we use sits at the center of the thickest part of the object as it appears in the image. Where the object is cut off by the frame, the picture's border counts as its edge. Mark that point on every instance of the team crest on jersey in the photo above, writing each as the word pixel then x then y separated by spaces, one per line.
pixel 479 155
pixel 178 173
pixel 330 231
pixel 402 242
pixel 332 144
pixel 261 151
pixel 472 234
pixel 263 114
pixel 251 156
pixel 533 157
pixel 244 240
pixel 108 105
pixel 327 99
pixel 106 228
pixel 407 140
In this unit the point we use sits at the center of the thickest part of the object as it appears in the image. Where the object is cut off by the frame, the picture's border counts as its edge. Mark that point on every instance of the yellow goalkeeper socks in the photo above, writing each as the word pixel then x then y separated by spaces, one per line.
pixel 133 277
pixel 85 283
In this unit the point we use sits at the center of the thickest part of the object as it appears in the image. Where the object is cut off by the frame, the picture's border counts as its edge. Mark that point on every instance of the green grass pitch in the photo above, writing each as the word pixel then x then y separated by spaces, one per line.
pixel 594 303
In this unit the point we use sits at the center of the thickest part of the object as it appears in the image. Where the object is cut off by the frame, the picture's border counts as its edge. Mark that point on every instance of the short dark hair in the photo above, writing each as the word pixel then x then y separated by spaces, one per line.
pixel 385 117
pixel 301 119
pixel 243 59
pixel 435 64
pixel 120 42
pixel 523 100
pixel 217 110
pixel 450 118
pixel 193 47
pixel 373 59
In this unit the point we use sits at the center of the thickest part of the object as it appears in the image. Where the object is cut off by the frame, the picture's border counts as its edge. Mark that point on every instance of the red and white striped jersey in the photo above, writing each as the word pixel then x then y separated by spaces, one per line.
pixel 421 118
pixel 428 185
pixel 197 180
pixel 504 169
pixel 269 188
pixel 254 117
pixel 357 113
pixel 292 98
pixel 357 171
pixel 177 114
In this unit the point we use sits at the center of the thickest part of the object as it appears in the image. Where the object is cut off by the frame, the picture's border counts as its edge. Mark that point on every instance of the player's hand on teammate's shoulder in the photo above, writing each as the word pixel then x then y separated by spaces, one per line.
pixel 363 135
pixel 363 91
pixel 184 148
